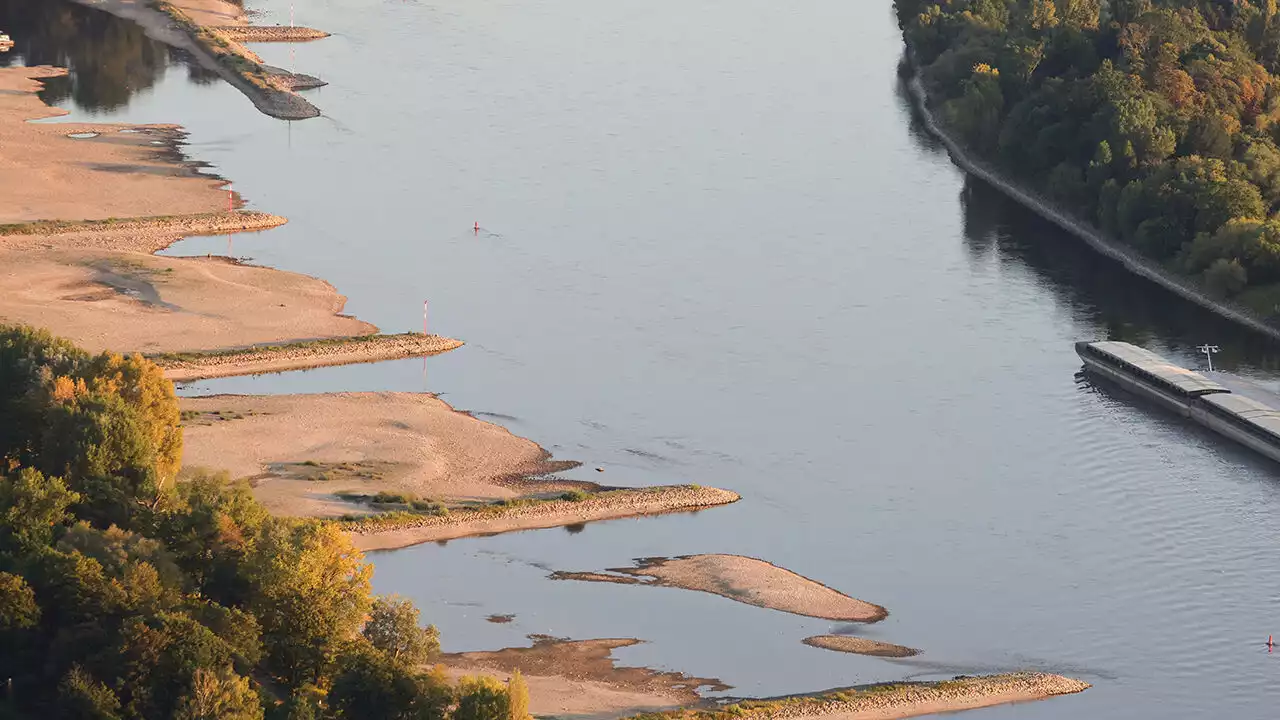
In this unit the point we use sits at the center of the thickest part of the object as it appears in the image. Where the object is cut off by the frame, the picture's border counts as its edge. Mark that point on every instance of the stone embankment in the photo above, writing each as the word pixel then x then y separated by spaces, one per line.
pixel 268 33
pixel 183 367
pixel 911 699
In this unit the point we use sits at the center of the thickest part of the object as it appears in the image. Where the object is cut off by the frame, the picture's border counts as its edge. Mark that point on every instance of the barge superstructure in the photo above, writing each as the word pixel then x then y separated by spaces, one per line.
pixel 1249 422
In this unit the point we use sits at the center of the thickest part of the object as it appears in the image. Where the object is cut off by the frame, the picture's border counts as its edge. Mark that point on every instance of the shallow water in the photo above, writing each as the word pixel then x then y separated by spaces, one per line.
pixel 717 248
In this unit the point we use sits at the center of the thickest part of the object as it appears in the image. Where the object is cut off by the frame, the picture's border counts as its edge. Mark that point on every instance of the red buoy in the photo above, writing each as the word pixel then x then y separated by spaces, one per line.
pixel 477 228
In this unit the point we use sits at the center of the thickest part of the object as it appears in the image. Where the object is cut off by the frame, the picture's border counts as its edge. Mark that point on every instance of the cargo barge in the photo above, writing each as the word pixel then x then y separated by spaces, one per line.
pixel 1249 422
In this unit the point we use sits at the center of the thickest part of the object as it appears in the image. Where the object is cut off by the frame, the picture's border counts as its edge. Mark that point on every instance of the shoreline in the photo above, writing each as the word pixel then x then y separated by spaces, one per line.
pixel 1130 259
pixel 889 701
pixel 368 535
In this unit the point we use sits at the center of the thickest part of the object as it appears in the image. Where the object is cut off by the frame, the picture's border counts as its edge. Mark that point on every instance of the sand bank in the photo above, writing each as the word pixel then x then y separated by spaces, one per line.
pixel 184 367
pixel 898 700
pixel 302 450
pixel 859 646
pixel 580 679
pixel 192 25
pixel 606 505
pixel 746 580
pixel 110 173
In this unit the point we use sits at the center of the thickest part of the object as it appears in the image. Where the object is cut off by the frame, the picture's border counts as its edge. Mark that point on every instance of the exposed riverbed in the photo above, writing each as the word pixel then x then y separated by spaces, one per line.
pixel 716 248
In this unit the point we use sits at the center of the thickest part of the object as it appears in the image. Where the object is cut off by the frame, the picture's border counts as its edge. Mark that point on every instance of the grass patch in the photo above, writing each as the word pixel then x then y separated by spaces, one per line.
pixel 575 496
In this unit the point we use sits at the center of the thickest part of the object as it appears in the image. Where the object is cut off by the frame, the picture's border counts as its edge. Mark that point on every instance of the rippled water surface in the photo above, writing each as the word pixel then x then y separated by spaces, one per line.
pixel 717 248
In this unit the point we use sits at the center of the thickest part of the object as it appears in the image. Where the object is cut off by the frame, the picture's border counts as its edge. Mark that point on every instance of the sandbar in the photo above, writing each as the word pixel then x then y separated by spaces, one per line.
pixel 744 579
pixel 859 646
pixel 580 678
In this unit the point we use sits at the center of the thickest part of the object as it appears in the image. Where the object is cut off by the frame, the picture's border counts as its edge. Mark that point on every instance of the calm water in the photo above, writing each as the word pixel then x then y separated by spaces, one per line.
pixel 718 249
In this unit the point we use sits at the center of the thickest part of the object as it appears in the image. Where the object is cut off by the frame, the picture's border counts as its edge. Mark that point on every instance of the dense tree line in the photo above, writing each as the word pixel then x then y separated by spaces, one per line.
pixel 1154 119
pixel 126 594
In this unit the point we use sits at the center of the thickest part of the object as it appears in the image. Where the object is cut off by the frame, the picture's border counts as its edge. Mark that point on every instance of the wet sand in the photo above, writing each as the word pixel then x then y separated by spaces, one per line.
pixel 746 580
pixel 580 679
pixel 859 646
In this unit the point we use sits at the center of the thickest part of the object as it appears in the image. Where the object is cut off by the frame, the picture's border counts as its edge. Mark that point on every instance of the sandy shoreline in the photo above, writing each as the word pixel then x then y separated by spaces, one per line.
pixel 743 579
pixel 83 213
pixel 301 451
pixel 308 455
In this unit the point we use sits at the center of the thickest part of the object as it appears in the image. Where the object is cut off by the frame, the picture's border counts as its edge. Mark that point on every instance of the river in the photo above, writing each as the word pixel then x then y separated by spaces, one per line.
pixel 717 247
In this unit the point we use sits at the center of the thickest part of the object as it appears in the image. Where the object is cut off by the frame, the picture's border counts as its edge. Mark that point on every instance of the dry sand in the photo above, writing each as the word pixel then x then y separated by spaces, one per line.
pixel 859 646
pixel 84 273
pixel 212 12
pixel 44 174
pixel 579 679
pixel 362 442
pixel 747 580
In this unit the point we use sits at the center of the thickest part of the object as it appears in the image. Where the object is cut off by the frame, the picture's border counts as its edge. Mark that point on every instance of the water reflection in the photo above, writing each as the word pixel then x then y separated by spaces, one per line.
pixel 1091 287
pixel 110 60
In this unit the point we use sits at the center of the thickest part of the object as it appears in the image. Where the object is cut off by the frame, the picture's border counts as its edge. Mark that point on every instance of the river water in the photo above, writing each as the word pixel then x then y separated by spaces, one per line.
pixel 716 247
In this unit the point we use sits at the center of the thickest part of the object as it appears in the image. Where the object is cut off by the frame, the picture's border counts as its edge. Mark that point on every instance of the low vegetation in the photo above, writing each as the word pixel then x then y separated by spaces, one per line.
pixel 125 595
pixel 1158 121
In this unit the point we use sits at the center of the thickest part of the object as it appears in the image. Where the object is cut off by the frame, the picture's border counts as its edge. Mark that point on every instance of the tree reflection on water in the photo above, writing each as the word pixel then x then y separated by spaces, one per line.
pixel 110 59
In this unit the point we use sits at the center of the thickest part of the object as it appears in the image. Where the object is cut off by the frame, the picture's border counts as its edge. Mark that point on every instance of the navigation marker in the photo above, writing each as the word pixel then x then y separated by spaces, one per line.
pixel 1208 351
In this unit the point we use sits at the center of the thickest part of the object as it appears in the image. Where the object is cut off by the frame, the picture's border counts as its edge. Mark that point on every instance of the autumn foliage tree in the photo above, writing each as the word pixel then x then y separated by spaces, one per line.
pixel 126 595
pixel 1155 119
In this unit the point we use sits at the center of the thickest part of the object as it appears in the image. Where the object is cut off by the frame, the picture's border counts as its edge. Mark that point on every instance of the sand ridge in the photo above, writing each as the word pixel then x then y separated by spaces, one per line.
pixel 744 579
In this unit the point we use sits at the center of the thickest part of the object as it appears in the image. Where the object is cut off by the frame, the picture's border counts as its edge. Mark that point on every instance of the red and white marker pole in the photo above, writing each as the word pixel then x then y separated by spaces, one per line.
pixel 424 317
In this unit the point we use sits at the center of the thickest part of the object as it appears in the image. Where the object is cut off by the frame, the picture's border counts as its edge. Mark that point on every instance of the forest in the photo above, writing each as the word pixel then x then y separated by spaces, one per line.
pixel 1155 120
pixel 130 589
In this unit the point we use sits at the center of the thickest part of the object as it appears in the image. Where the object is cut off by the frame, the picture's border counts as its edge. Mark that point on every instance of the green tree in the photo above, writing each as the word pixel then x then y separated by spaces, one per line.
pixel 32 507
pixel 219 695
pixel 18 608
pixel 309 591
pixel 393 628
pixel 482 698
pixel 1225 278
pixel 81 697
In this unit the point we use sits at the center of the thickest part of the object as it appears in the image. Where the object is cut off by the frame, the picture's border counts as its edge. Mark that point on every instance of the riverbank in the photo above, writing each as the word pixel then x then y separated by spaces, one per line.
pixel 195 26
pixel 580 678
pixel 1132 260
pixel 86 207
pixel 743 579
